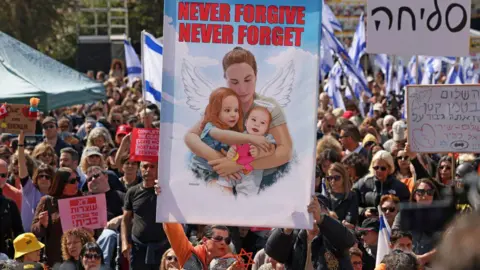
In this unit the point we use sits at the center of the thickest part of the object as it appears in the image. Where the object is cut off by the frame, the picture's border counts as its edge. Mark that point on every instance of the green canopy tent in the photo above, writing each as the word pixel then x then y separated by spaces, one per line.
pixel 26 73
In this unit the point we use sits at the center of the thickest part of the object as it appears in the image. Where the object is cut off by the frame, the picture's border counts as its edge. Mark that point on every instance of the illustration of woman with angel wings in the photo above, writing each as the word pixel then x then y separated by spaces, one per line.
pixel 240 72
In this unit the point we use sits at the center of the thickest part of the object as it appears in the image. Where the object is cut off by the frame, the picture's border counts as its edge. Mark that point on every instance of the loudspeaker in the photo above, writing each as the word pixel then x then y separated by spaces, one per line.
pixel 94 56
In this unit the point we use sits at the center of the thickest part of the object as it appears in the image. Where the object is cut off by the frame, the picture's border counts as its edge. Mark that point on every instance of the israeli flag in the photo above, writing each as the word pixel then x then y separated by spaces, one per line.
pixel 455 75
pixel 333 87
pixel 134 67
pixel 383 246
pixel 152 63
pixel 359 43
pixel 329 19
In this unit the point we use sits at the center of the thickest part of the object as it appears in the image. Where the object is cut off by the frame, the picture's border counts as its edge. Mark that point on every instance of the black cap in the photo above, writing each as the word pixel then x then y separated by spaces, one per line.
pixel 370 224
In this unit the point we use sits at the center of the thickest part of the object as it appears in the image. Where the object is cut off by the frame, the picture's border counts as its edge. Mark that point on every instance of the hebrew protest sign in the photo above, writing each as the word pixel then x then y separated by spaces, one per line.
pixel 427 27
pixel 15 118
pixel 444 118
pixel 144 144
pixel 86 211
pixel 240 84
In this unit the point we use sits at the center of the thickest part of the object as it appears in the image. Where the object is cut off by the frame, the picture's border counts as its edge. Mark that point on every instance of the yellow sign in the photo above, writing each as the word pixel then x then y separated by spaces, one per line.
pixel 474 44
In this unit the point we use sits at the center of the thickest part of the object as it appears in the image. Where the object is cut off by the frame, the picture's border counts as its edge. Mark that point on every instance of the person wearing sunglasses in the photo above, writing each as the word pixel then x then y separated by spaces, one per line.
pixel 425 193
pixel 215 244
pixel 49 125
pixel 343 201
pixel 328 249
pixel 390 205
pixel 46 222
pixel 169 261
pixel 91 257
pixel 327 125
pixel 97 183
pixel 10 219
pixel 381 181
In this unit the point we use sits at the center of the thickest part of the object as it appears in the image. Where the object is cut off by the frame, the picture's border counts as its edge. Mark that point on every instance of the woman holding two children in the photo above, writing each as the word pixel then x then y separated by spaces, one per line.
pixel 240 72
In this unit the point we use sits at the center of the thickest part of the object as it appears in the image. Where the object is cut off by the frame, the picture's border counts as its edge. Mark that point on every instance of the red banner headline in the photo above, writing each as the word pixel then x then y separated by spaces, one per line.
pixel 217 13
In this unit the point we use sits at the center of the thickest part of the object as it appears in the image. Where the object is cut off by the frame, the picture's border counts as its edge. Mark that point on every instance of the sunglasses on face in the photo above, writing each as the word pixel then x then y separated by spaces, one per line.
pixel 3 175
pixel 219 238
pixel 46 176
pixel 447 168
pixel 404 158
pixel 172 258
pixel 333 177
pixel 72 180
pixel 95 176
pixel 423 192
pixel 49 126
pixel 389 209
pixel 92 256
pixel 380 168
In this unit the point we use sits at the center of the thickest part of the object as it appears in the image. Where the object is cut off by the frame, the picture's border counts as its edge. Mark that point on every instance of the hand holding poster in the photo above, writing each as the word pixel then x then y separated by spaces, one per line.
pixel 86 212
pixel 444 118
pixel 145 143
pixel 428 27
pixel 239 98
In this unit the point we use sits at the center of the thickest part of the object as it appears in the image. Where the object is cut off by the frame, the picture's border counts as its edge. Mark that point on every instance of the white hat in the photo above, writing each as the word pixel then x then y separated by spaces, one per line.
pixel 399 131
pixel 378 107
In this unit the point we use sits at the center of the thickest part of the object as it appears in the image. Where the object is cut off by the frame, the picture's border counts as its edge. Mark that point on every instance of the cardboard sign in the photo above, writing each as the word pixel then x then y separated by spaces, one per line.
pixel 426 27
pixel 145 144
pixel 14 118
pixel 444 118
pixel 259 59
pixel 86 212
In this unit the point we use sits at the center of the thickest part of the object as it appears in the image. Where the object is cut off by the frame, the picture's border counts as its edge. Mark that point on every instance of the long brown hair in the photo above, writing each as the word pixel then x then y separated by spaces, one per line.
pixel 214 108
pixel 59 181
pixel 43 168
pixel 237 56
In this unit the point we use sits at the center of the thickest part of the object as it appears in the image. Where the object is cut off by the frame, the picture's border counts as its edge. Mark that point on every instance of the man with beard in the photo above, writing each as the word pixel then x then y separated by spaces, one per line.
pixel 143 240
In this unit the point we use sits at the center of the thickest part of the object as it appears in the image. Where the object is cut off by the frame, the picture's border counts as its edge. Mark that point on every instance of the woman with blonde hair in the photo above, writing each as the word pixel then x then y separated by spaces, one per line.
pixel 380 181
pixel 169 261
pixel 45 153
pixel 99 137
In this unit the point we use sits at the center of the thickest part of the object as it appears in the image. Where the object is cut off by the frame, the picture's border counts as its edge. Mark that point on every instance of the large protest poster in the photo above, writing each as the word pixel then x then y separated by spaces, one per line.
pixel 426 27
pixel 444 118
pixel 240 88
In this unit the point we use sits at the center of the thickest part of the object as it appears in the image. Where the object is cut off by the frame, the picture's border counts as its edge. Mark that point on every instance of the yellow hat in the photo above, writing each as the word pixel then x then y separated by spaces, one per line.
pixel 26 243
pixel 369 138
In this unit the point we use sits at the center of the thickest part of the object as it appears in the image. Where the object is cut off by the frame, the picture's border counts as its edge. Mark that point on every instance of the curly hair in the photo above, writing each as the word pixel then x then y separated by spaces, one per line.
pixel 80 233
pixel 328 142
pixel 99 132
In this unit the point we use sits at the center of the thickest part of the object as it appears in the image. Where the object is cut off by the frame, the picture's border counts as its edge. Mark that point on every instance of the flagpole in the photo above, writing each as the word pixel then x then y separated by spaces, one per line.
pixel 348 82
pixel 417 71
pixel 144 93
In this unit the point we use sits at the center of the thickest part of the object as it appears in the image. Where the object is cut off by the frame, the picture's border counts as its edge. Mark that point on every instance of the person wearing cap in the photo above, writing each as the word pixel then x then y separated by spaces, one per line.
pixel 27 248
pixel 368 232
pixel 122 131
pixel 399 136
pixel 49 125
pixel 386 132
pixel 328 249
pixel 377 110
pixel 92 156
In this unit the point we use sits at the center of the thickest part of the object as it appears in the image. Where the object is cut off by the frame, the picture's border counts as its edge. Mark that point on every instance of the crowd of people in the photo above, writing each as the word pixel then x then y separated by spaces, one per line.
pixel 365 169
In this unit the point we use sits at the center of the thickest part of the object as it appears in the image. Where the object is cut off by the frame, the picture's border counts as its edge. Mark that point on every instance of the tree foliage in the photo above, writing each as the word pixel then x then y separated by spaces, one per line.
pixel 50 26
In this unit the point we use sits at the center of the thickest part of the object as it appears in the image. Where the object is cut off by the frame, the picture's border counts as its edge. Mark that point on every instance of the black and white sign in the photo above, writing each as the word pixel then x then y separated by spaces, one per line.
pixel 421 27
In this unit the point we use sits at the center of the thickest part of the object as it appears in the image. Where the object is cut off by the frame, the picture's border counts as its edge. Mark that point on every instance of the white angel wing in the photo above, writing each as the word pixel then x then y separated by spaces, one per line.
pixel 281 85
pixel 196 87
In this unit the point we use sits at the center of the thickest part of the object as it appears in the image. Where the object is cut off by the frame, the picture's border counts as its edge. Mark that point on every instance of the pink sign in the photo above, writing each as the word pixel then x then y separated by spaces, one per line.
pixel 86 212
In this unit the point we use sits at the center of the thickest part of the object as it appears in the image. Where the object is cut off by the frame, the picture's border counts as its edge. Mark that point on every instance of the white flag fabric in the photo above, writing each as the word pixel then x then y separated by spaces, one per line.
pixel 152 63
pixel 383 246
pixel 134 67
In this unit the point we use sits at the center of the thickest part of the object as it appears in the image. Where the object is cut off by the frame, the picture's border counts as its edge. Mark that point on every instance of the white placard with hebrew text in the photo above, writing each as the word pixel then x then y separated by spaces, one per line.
pixel 444 118
pixel 421 27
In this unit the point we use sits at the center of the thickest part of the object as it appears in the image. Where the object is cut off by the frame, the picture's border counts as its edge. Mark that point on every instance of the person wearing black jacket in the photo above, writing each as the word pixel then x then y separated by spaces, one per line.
pixel 324 247
pixel 380 182
pixel 10 219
